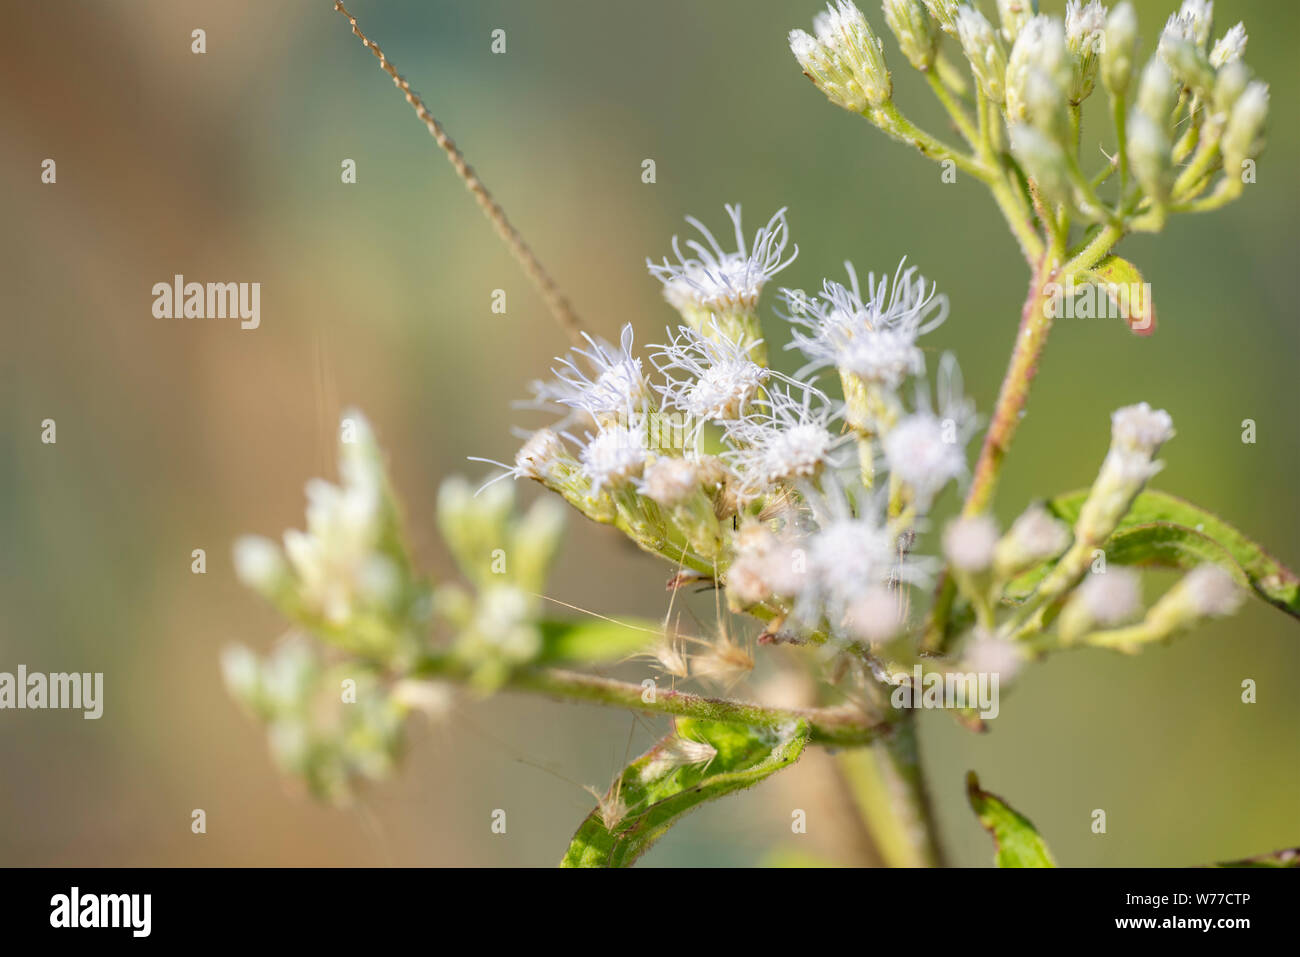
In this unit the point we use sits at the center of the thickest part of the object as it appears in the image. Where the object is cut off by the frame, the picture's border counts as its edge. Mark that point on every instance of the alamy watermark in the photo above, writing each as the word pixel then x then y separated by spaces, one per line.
pixel 36 691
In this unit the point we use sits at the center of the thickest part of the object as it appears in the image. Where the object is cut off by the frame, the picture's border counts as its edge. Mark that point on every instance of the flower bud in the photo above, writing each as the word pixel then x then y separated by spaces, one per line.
pixel 945 12
pixel 969 543
pixel 1014 14
pixel 1194 20
pixel 1034 537
pixel 1157 94
pixel 1137 433
pixel 1119 51
pixel 1244 136
pixel 1045 104
pixel 1043 160
pixel 1230 47
pixel 984 50
pixel 1039 45
pixel 1187 63
pixel 1085 25
pixel 260 565
pixel 1207 591
pixel 1230 83
pixel 916 31
pixel 875 616
pixel 845 59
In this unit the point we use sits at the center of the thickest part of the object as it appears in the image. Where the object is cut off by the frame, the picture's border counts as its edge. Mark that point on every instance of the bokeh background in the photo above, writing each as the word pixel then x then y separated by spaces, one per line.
pixel 175 435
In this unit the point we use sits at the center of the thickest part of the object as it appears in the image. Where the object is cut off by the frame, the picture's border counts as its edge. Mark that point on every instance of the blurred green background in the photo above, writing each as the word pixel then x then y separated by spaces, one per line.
pixel 175 435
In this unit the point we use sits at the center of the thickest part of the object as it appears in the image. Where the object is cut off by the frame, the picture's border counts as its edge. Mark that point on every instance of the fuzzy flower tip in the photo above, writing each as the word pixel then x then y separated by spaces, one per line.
pixel 1139 431
pixel 612 383
pixel 614 456
pixel 708 376
pixel 1212 591
pixel 711 277
pixel 1112 597
pixel 872 336
pixel 968 543
pixel 787 438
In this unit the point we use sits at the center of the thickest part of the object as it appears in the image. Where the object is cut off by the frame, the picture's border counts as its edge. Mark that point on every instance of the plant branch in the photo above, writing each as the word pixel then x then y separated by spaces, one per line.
pixel 840 725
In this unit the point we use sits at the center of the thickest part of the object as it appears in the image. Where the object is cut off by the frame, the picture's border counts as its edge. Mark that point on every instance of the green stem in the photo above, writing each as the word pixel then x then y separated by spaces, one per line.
pixel 888 117
pixel 889 789
pixel 839 726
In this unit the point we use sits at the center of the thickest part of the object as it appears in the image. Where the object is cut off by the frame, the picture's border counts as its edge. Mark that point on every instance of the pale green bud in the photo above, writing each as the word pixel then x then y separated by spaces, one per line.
pixel 845 58
pixel 1230 83
pixel 1150 155
pixel 1014 14
pixel 945 12
pixel 1085 26
pixel 984 50
pixel 1039 45
pixel 535 543
pixel 1188 64
pixel 916 31
pixel 1157 94
pixel 1045 103
pixel 1230 48
pixel 1119 51
pixel 260 565
pixel 1244 136
pixel 1035 537
pixel 241 672
pixel 1137 433
pixel 1043 160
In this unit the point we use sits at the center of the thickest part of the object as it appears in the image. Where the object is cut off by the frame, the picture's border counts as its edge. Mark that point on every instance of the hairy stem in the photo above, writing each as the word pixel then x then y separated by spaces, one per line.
pixel 523 253
pixel 889 790
pixel 839 726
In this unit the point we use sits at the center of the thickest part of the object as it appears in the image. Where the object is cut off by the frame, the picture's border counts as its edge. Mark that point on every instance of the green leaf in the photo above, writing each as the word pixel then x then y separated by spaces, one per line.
pixel 595 640
pixel 1124 286
pixel 656 789
pixel 1288 857
pixel 1163 530
pixel 1014 837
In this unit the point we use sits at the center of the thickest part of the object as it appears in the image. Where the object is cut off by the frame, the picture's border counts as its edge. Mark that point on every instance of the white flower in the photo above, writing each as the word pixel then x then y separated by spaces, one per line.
pixel 1230 47
pixel 875 615
pixel 968 543
pixel 716 278
pixel 616 454
pixel 851 551
pixel 926 451
pixel 720 380
pixel 783 439
pixel 872 337
pixel 766 566
pixel 614 385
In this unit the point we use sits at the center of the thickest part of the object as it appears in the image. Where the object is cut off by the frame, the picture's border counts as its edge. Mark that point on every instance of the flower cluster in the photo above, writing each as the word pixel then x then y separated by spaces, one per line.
pixel 793 499
pixel 1191 111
